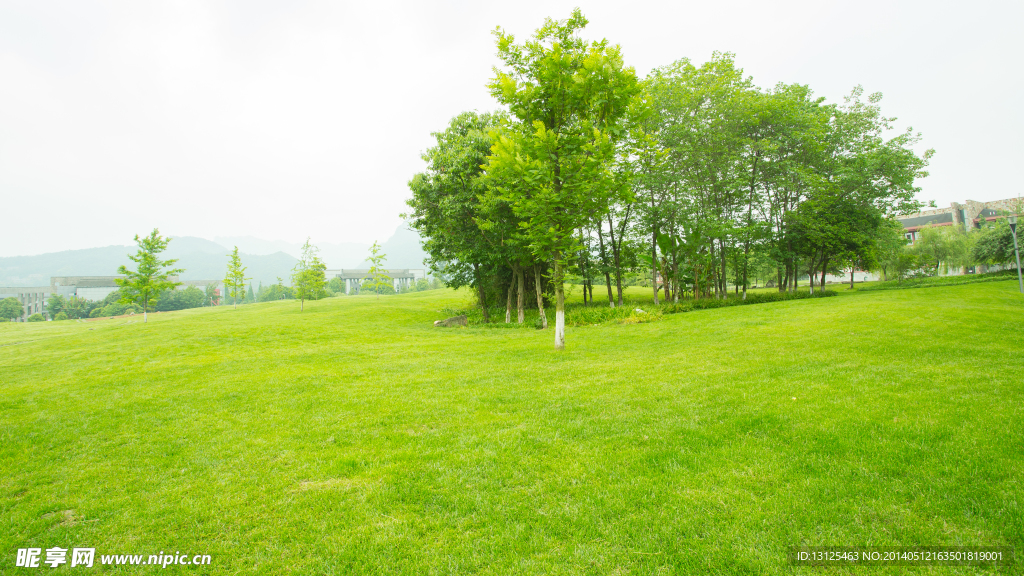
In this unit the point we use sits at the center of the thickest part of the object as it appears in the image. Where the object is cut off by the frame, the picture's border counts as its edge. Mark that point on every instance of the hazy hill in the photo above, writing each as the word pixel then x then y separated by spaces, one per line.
pixel 403 250
pixel 205 259
pixel 201 259
pixel 340 255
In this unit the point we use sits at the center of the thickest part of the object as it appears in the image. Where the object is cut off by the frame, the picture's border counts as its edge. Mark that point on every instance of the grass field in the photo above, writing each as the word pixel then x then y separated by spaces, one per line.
pixel 356 438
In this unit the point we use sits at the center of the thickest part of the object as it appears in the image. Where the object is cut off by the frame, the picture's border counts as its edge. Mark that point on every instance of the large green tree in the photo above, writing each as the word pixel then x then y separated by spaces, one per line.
pixel 568 97
pixel 150 277
pixel 446 203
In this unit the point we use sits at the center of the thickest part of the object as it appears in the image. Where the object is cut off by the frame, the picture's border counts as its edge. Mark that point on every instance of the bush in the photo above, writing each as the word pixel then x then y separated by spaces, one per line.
pixel 60 316
pixel 384 289
pixel 37 317
pixel 96 313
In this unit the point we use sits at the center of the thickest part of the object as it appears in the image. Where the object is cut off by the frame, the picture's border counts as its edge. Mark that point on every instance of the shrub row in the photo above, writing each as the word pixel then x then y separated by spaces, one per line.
pixel 634 314
pixel 942 281
pixel 628 313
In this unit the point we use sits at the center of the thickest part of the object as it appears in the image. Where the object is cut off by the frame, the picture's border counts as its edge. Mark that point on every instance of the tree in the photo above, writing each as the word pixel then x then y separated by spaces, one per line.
pixel 144 284
pixel 11 308
pixel 994 244
pixel 446 202
pixel 309 275
pixel 234 280
pixel 554 166
pixel 378 275
pixel 212 294
pixel 942 247
pixel 37 317
pixel 892 256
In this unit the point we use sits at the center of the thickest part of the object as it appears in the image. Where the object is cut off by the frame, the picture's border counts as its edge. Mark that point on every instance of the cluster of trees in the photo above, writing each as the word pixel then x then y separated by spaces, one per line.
pixel 60 308
pixel 693 175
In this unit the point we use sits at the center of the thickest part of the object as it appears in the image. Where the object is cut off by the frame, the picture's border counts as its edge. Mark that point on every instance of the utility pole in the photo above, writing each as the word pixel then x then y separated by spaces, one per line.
pixel 1016 251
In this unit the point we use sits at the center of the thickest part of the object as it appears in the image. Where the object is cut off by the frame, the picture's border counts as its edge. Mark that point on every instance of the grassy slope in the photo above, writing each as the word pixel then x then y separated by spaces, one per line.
pixel 356 437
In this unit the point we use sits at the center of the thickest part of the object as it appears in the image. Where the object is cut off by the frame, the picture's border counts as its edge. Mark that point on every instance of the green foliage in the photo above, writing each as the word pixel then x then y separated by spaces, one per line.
pixel 55 303
pixel 211 297
pixel 892 254
pixel 60 316
pixel 942 248
pixel 445 198
pixel 553 166
pixel 994 245
pixel 190 297
pixel 309 275
pixel 37 317
pixel 276 292
pixel 72 307
pixel 119 309
pixel 144 284
pixel 422 285
pixel 378 282
pixel 234 280
pixel 11 308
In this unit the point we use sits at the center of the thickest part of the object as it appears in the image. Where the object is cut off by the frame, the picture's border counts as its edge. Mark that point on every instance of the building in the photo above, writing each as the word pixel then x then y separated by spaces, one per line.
pixel 968 216
pixel 401 277
pixel 33 300
pixel 93 288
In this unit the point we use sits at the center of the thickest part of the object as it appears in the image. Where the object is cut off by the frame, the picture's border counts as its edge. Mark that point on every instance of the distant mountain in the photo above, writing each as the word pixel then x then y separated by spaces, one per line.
pixel 341 255
pixel 202 259
pixel 403 250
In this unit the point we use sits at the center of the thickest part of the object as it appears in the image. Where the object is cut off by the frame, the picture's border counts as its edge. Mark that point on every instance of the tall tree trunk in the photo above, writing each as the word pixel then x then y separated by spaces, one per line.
pixel 725 275
pixel 851 276
pixel 480 290
pixel 508 302
pixel 540 296
pixel 559 304
pixel 750 211
pixel 520 290
pixel 604 262
pixel 824 268
pixel 654 263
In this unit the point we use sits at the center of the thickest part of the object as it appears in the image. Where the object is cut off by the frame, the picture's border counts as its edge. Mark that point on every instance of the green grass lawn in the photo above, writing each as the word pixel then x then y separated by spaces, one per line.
pixel 356 438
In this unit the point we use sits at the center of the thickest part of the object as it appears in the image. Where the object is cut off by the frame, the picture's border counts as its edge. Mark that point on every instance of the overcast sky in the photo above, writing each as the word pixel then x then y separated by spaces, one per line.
pixel 289 119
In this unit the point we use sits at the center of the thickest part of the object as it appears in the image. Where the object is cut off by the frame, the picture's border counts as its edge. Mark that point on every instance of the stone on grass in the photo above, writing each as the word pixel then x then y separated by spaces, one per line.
pixel 453 321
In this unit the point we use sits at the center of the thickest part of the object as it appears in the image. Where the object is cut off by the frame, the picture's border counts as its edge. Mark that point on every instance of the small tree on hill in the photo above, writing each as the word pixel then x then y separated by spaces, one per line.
pixel 145 284
pixel 309 276
pixel 234 281
pixel 379 278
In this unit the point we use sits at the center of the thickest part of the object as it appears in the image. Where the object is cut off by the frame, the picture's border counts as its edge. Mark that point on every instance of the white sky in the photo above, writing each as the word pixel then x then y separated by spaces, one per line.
pixel 289 119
